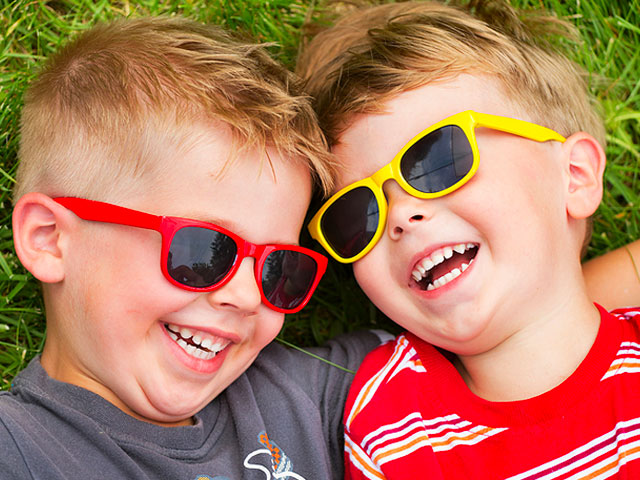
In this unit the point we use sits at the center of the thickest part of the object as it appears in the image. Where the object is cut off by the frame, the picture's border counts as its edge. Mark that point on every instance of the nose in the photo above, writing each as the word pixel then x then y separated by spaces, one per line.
pixel 405 211
pixel 241 294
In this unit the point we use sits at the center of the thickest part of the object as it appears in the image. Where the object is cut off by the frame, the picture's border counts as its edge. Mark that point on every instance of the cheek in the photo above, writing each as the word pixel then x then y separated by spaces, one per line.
pixel 124 295
pixel 369 272
pixel 362 272
pixel 532 177
pixel 266 328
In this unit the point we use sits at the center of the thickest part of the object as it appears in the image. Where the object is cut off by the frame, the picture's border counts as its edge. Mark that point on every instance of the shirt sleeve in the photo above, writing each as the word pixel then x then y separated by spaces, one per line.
pixel 323 375
pixel 385 437
pixel 358 465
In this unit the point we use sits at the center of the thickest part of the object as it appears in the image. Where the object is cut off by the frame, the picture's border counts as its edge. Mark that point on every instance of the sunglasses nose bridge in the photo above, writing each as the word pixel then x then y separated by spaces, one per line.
pixel 250 250
pixel 254 251
pixel 381 176
pixel 241 291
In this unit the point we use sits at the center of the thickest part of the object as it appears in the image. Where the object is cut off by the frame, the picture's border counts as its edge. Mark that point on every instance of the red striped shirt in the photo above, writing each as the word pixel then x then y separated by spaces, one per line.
pixel 410 415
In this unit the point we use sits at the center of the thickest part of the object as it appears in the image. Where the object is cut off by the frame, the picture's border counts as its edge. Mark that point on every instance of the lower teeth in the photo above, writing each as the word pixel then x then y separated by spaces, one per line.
pixel 443 280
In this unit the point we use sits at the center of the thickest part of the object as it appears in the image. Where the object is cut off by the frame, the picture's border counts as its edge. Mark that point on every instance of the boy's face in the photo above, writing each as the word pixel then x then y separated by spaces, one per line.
pixel 114 338
pixel 512 210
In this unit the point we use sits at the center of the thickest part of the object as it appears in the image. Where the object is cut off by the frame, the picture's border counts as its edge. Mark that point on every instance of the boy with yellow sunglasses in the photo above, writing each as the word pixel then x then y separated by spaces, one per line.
pixel 471 162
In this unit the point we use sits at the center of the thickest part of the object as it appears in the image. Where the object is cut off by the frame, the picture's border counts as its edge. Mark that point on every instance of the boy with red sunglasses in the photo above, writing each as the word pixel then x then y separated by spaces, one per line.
pixel 471 162
pixel 157 158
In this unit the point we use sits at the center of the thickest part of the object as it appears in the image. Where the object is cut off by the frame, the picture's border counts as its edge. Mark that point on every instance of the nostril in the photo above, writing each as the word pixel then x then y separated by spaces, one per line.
pixel 414 218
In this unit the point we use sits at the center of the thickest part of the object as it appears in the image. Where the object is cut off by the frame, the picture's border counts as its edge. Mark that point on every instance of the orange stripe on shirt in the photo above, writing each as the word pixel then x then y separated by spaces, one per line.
pixel 406 446
pixel 364 395
pixel 470 436
pixel 622 365
pixel 614 463
pixel 364 464
pixel 434 445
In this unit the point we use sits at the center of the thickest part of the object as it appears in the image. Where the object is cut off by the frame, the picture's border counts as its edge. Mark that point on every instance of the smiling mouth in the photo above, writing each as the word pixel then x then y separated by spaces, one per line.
pixel 197 344
pixel 444 265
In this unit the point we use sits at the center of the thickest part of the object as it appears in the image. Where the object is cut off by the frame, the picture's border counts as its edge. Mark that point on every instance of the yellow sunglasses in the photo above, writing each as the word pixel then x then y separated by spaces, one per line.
pixel 435 162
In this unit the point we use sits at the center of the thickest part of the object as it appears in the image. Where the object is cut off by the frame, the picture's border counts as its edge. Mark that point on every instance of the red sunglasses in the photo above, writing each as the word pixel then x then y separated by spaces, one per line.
pixel 200 256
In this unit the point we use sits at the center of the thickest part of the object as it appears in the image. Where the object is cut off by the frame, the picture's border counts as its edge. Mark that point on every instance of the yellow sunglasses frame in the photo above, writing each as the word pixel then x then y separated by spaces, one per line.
pixel 467 121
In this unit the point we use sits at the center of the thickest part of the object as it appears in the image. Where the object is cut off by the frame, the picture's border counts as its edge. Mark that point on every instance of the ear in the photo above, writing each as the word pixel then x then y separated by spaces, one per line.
pixel 585 162
pixel 38 222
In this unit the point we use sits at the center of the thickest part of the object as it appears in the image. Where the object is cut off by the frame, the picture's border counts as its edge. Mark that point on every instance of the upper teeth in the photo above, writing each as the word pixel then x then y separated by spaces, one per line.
pixel 436 257
pixel 206 348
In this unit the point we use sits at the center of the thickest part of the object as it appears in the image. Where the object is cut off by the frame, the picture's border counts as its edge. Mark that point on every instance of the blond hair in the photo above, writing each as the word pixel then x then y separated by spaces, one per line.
pixel 91 118
pixel 375 53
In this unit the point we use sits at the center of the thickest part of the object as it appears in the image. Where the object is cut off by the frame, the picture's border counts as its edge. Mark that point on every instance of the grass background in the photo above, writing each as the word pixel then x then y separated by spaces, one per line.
pixel 31 30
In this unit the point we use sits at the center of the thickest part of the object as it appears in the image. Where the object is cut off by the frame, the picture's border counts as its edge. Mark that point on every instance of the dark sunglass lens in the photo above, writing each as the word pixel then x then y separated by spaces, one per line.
pixel 287 278
pixel 438 160
pixel 199 257
pixel 350 222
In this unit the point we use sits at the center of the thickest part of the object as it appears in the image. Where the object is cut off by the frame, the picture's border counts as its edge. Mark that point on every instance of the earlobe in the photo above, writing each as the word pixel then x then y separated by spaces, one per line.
pixel 585 162
pixel 37 226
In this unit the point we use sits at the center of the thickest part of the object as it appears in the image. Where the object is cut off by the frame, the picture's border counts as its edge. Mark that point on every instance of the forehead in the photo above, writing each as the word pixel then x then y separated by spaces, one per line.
pixel 372 140
pixel 259 194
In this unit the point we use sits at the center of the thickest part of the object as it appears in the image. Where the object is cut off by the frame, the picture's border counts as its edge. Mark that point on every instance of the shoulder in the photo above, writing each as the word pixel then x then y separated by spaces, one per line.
pixel 24 409
pixel 11 407
pixel 346 350
pixel 14 424
pixel 16 403
pixel 317 372
pixel 386 374
pixel 388 360
pixel 629 322
pixel 630 314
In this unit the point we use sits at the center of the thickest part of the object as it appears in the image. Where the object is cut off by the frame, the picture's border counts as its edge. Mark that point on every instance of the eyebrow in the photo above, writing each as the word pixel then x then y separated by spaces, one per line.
pixel 234 227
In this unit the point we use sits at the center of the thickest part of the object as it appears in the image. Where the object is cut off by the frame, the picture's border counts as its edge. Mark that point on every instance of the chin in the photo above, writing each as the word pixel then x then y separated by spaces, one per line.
pixel 168 418
pixel 171 406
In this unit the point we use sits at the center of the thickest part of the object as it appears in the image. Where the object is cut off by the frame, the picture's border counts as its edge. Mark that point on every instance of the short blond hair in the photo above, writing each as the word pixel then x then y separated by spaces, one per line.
pixel 91 116
pixel 377 52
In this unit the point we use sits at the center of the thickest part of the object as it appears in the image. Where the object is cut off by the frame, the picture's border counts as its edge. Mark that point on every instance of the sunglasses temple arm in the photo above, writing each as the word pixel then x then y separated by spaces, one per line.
pixel 521 128
pixel 104 212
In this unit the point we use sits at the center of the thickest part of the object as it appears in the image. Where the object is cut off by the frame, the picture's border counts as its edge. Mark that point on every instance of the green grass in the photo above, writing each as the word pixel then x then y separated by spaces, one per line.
pixel 34 29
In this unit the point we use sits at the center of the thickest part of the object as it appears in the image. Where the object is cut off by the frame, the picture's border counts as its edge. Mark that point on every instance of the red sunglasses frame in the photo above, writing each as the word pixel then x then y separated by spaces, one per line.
pixel 168 226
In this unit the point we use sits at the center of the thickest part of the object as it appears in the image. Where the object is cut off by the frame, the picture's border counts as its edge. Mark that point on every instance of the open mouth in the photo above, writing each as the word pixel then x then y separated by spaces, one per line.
pixel 444 265
pixel 197 344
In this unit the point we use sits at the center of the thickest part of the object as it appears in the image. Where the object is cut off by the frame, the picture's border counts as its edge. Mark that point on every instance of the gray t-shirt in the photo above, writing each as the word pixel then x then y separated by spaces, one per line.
pixel 281 419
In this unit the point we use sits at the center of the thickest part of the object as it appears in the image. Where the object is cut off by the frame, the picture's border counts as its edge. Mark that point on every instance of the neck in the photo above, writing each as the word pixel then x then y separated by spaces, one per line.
pixel 536 358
